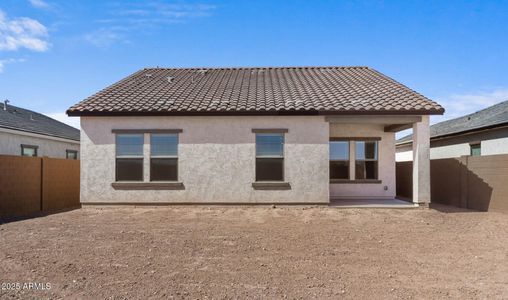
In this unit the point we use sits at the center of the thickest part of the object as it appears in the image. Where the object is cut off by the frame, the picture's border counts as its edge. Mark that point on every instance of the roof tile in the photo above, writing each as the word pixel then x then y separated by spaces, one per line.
pixel 324 90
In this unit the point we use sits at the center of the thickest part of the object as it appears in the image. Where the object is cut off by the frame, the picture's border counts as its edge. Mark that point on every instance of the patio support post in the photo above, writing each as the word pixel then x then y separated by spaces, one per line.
pixel 421 162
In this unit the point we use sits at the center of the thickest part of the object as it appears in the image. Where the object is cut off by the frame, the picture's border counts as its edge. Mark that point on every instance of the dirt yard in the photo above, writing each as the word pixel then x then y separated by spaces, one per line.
pixel 257 252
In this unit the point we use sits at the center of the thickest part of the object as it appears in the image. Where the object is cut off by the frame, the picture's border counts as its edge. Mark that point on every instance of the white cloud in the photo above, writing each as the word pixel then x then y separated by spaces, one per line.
pixel 457 105
pixel 159 12
pixel 132 17
pixel 62 117
pixel 105 37
pixel 39 4
pixel 22 32
pixel 3 62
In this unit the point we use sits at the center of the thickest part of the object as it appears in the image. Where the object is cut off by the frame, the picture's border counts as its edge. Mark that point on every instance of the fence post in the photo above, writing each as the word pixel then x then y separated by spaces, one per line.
pixel 463 173
pixel 42 184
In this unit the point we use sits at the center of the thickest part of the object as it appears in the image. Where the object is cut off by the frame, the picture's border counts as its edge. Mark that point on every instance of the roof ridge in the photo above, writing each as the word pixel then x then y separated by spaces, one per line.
pixel 256 68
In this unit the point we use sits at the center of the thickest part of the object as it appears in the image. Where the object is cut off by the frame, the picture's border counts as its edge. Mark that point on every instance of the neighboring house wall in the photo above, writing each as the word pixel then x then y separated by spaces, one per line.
pixel 216 159
pixel 496 146
pixel 493 141
pixel 386 162
pixel 11 141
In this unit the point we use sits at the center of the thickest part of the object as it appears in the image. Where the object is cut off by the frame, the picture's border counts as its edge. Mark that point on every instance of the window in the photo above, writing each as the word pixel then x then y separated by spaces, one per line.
pixel 129 157
pixel 339 160
pixel 366 160
pixel 71 154
pixel 269 157
pixel 476 149
pixel 163 157
pixel 29 150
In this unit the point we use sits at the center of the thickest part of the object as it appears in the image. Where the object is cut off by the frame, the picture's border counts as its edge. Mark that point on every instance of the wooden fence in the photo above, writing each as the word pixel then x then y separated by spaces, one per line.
pixel 34 184
pixel 474 182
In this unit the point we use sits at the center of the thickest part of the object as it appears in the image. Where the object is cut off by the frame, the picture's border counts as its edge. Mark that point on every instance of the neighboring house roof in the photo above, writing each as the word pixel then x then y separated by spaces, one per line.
pixel 256 91
pixel 490 117
pixel 17 118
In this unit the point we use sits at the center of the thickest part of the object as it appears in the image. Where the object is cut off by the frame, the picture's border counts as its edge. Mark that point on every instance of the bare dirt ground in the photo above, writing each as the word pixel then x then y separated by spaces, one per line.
pixel 257 252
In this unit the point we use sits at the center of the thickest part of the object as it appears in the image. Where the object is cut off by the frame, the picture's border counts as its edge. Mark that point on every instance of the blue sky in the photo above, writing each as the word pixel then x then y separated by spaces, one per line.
pixel 55 53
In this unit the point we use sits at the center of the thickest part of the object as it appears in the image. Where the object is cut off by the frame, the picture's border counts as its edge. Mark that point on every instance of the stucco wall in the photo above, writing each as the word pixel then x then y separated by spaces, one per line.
pixel 386 162
pixel 216 160
pixel 495 146
pixel 10 144
pixel 450 151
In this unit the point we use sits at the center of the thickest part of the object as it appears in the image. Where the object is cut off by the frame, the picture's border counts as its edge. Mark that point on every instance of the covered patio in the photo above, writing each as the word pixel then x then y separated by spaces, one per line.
pixel 362 160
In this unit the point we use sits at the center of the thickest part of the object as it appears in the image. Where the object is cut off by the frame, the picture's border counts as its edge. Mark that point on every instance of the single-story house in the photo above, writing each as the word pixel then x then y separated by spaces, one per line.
pixel 250 135
pixel 481 133
pixel 28 133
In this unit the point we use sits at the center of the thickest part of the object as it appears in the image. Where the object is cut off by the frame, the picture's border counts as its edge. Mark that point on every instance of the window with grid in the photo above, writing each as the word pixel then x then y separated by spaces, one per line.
pixel 269 157
pixel 366 160
pixel 339 160
pixel 129 157
pixel 163 157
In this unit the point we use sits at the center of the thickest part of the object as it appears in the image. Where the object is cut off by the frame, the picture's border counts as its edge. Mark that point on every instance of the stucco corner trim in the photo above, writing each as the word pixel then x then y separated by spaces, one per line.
pixel 270 130
pixel 367 181
pixel 271 185
pixel 148 185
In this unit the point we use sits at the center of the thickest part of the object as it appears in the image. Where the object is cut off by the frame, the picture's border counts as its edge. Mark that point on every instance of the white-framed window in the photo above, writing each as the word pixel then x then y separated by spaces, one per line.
pixel 269 156
pixel 339 159
pixel 354 159
pixel 163 157
pixel 129 157
pixel 366 160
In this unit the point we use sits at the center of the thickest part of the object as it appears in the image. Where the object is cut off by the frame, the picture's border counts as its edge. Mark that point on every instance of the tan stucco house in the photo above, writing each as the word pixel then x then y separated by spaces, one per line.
pixel 250 135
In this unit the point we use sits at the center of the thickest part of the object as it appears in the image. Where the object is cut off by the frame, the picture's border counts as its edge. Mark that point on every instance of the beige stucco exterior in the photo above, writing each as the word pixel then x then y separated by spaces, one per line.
pixel 386 161
pixel 216 158
pixel 11 141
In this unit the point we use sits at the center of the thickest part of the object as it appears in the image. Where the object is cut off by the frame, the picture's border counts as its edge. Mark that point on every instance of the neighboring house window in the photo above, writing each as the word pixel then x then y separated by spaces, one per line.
pixel 129 157
pixel 366 160
pixel 163 157
pixel 339 160
pixel 71 154
pixel 269 157
pixel 476 149
pixel 29 150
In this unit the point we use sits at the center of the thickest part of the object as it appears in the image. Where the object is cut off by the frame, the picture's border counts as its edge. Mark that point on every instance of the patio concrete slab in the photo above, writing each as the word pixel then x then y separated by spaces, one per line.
pixel 371 203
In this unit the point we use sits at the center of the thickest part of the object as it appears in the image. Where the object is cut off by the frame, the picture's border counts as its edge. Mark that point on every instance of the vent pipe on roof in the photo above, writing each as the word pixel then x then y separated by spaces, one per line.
pixel 5 104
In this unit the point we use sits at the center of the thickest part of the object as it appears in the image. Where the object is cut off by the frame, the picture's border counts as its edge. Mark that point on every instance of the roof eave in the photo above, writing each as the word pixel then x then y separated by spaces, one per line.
pixel 43 134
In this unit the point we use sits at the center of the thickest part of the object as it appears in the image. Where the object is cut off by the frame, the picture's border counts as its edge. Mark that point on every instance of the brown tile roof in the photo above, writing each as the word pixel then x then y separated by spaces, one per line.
pixel 256 91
